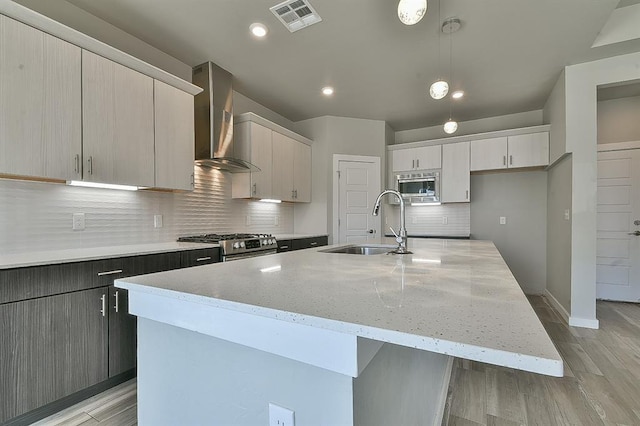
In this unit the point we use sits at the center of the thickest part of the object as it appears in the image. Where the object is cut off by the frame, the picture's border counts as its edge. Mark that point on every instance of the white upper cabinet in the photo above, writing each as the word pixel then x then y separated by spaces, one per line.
pixel 489 154
pixel 529 150
pixel 518 151
pixel 40 104
pixel 421 158
pixel 302 172
pixel 455 177
pixel 291 169
pixel 253 143
pixel 174 137
pixel 118 124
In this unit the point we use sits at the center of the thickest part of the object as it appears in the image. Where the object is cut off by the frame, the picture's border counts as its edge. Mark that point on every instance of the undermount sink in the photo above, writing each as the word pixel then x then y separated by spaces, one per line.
pixel 362 249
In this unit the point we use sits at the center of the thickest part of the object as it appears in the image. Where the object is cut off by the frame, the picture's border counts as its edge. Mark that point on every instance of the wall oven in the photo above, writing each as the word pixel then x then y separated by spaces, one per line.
pixel 419 187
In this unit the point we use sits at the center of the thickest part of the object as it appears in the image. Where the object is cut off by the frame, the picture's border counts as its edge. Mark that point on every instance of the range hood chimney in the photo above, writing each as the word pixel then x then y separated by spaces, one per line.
pixel 214 120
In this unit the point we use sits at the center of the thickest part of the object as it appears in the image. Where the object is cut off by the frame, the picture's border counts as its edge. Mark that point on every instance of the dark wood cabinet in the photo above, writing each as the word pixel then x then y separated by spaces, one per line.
pixel 303 243
pixel 122 333
pixel 284 245
pixel 51 347
pixel 200 257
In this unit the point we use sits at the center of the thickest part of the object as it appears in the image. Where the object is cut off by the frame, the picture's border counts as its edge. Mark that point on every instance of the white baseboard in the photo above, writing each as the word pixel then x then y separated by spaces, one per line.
pixel 584 323
pixel 442 399
pixel 557 306
pixel 572 321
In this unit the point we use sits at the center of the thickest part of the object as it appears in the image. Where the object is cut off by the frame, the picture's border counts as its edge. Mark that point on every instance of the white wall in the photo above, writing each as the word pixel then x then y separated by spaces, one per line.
pixel 36 216
pixel 559 232
pixel 334 135
pixel 427 220
pixel 503 122
pixel 555 113
pixel 580 118
pixel 619 120
pixel 521 197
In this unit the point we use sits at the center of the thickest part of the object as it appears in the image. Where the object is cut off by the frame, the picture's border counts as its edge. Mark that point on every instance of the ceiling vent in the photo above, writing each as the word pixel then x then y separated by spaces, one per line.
pixel 296 14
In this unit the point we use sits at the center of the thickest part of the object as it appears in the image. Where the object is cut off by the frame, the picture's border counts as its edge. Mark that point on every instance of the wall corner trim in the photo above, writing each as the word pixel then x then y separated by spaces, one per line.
pixel 557 306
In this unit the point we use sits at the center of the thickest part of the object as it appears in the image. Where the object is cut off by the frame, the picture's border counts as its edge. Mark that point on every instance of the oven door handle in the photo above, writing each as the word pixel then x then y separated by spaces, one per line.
pixel 429 179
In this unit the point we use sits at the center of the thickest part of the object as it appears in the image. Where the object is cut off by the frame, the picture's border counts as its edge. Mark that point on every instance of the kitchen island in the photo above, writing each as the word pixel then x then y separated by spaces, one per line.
pixel 338 338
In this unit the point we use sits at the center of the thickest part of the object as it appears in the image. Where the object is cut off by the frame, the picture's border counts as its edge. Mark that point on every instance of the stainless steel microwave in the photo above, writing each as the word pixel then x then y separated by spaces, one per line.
pixel 421 187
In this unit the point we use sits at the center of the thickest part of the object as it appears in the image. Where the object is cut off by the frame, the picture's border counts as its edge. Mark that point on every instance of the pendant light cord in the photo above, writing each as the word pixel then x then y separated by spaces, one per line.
pixel 450 68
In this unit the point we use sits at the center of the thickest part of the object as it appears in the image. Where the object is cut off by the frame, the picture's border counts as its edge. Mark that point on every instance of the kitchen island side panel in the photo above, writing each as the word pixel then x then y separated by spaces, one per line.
pixel 186 377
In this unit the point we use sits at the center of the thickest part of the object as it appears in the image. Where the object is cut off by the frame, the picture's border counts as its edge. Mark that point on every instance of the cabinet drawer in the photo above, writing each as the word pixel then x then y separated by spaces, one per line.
pixel 284 245
pixel 200 257
pixel 304 243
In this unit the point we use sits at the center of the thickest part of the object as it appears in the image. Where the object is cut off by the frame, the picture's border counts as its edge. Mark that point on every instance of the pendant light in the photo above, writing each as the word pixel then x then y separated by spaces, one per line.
pixel 450 26
pixel 411 12
pixel 439 88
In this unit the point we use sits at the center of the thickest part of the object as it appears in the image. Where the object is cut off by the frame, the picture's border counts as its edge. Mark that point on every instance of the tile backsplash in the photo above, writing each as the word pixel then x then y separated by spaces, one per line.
pixel 37 216
pixel 429 220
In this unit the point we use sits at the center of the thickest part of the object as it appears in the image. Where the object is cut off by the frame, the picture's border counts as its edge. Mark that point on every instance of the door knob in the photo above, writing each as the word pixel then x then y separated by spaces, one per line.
pixel 636 222
pixel 371 231
pixel 636 233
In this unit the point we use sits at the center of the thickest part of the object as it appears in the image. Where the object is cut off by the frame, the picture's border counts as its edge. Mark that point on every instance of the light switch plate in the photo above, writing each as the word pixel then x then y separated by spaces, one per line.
pixel 445 220
pixel 78 222
pixel 280 416
pixel 157 221
pixel 248 220
pixel 503 220
pixel 567 214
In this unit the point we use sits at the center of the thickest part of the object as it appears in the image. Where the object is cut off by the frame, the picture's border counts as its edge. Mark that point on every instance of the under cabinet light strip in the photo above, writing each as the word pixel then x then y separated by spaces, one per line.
pixel 101 185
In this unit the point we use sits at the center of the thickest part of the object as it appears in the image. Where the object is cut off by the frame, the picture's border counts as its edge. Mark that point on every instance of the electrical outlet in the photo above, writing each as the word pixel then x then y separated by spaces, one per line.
pixel 157 221
pixel 567 214
pixel 276 220
pixel 445 220
pixel 248 220
pixel 503 220
pixel 78 221
pixel 280 416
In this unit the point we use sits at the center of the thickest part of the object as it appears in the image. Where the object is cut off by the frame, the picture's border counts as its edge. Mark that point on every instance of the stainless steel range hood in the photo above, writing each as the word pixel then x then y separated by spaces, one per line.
pixel 214 120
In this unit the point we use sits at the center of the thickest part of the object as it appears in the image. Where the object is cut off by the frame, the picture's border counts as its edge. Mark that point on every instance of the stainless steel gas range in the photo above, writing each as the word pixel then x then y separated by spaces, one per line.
pixel 238 246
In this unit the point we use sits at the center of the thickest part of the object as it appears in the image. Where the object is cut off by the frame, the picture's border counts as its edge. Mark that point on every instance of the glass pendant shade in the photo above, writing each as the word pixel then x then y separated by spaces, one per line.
pixel 439 89
pixel 450 127
pixel 411 12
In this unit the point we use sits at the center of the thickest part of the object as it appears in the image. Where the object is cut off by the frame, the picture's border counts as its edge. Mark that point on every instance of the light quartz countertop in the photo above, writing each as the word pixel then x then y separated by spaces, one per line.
pixel 38 258
pixel 455 297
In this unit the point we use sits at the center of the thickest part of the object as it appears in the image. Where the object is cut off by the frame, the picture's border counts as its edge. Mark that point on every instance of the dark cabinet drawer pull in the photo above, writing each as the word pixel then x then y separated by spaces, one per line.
pixel 202 259
pixel 284 247
pixel 103 308
pixel 115 271
pixel 117 302
pixel 314 244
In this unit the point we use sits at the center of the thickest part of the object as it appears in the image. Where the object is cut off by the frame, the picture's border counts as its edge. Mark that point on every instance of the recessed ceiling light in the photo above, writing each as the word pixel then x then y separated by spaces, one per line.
pixel 258 29
pixel 457 94
pixel 327 91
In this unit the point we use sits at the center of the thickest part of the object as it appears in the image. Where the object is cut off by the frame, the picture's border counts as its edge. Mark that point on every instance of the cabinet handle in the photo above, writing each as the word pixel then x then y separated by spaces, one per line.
pixel 115 271
pixel 466 197
pixel 504 160
pixel 283 247
pixel 77 163
pixel 193 180
pixel 413 164
pixel 117 301
pixel 313 244
pixel 293 194
pixel 90 161
pixel 511 160
pixel 202 259
pixel 418 163
pixel 296 196
pixel 103 309
pixel 255 188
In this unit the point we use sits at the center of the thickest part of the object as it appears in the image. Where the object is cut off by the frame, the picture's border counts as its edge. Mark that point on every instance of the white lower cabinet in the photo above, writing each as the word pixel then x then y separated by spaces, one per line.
pixel 455 177
pixel 40 104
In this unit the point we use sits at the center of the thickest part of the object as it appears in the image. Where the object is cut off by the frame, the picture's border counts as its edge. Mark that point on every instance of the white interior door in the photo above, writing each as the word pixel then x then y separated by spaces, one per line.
pixel 618 246
pixel 359 185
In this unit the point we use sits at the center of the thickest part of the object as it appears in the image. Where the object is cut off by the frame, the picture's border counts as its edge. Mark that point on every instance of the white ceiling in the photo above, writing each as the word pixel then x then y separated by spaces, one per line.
pixel 507 55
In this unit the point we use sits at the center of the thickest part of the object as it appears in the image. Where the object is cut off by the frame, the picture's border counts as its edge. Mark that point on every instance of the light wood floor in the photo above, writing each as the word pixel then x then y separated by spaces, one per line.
pixel 601 384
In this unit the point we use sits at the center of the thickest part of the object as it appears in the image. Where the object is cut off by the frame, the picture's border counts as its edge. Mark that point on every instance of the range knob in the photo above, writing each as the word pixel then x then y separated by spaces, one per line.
pixel 272 242
pixel 242 244
pixel 236 245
